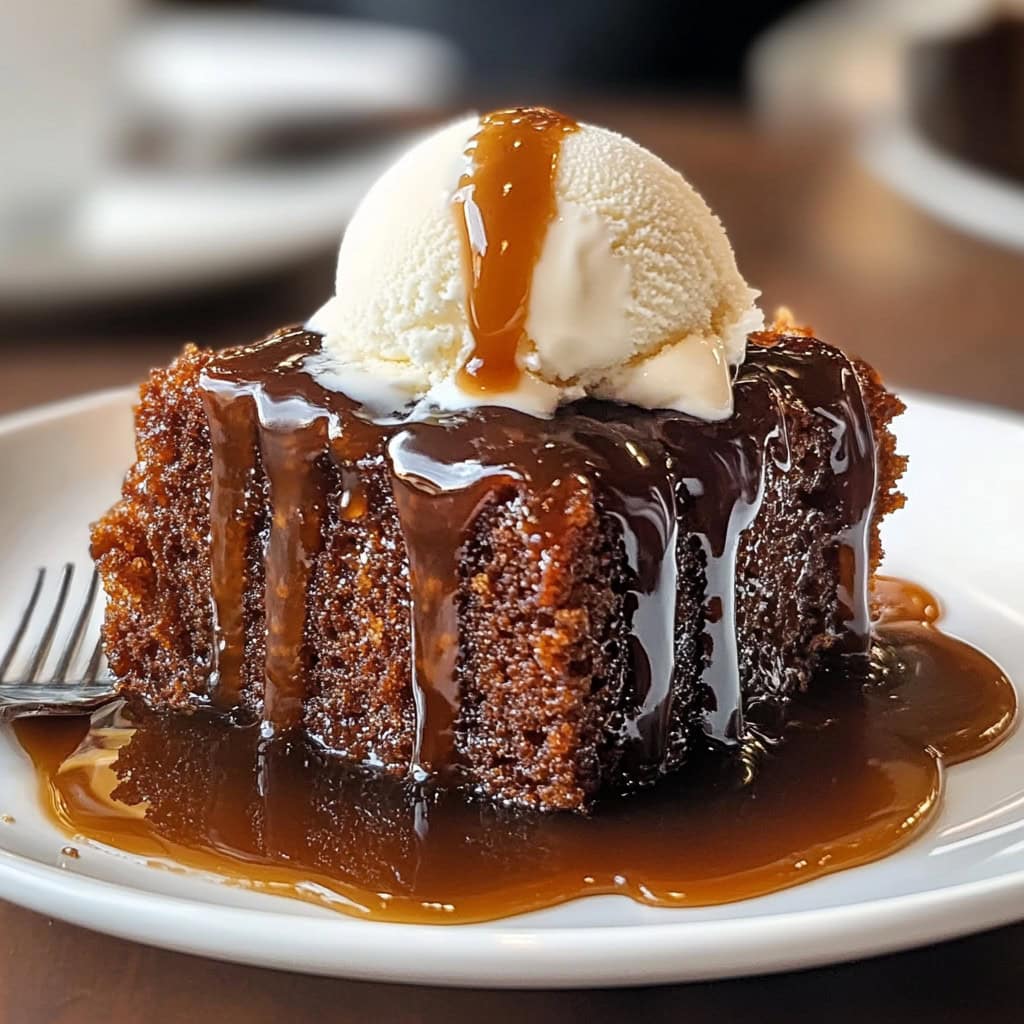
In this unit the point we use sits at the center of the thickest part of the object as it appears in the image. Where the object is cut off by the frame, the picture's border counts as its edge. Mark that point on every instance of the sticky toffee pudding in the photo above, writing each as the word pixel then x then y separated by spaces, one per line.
pixel 605 621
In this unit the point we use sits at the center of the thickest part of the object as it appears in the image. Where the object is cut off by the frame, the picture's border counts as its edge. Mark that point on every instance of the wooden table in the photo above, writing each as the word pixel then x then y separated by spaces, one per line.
pixel 931 308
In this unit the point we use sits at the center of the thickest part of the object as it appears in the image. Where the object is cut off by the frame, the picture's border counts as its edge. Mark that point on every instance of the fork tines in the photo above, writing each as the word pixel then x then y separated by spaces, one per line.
pixel 42 637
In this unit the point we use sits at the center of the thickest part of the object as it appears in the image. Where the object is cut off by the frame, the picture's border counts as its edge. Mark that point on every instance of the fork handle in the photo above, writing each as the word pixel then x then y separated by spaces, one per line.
pixel 54 706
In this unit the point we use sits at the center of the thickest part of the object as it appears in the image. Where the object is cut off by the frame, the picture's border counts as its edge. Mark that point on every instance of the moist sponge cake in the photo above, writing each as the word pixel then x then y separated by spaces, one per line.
pixel 537 609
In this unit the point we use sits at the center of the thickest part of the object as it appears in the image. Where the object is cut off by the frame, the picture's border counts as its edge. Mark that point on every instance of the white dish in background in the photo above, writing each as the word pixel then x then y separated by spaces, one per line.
pixel 146 232
pixel 208 91
pixel 232 72
pixel 963 196
pixel 959 535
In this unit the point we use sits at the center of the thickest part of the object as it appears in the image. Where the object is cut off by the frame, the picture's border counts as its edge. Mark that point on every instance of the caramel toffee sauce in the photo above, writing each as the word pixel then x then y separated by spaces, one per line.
pixel 664 478
pixel 859 774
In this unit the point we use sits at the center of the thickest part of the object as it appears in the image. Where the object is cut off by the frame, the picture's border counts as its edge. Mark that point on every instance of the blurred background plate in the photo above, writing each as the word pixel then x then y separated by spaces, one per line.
pixel 214 81
pixel 233 143
pixel 956 192
pixel 144 231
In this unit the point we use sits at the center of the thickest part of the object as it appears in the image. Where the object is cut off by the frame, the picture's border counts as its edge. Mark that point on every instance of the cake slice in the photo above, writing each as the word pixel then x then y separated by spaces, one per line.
pixel 538 609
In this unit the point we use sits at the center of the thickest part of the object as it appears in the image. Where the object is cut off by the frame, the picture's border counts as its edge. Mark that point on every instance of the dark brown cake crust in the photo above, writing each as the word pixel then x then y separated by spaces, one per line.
pixel 547 693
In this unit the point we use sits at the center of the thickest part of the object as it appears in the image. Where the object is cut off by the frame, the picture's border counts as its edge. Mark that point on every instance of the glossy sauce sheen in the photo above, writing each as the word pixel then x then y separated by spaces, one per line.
pixel 664 478
pixel 858 776
pixel 504 203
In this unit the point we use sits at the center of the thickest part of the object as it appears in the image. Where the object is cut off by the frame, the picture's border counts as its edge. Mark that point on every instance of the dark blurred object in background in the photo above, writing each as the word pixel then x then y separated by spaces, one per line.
pixel 965 91
pixel 639 45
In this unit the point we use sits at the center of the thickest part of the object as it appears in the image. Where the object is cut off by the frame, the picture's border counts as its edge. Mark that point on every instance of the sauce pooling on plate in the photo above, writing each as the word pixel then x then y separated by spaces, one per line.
pixel 857 776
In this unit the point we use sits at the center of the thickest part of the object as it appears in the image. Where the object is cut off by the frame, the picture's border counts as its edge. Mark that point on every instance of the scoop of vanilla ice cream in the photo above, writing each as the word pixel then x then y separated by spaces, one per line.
pixel 635 297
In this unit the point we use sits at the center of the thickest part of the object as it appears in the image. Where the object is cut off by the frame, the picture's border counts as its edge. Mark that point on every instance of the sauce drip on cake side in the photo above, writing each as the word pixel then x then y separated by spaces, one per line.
pixel 858 776
pixel 666 481
pixel 504 203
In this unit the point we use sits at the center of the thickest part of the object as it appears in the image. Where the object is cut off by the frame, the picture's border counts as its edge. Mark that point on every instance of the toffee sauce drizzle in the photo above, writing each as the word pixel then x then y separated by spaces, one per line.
pixel 507 199
pixel 662 477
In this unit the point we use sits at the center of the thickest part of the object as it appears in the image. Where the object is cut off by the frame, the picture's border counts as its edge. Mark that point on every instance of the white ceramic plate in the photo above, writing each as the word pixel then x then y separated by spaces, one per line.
pixel 60 467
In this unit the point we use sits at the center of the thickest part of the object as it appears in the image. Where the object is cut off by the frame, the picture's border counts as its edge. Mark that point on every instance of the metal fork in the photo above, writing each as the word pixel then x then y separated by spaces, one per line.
pixel 27 692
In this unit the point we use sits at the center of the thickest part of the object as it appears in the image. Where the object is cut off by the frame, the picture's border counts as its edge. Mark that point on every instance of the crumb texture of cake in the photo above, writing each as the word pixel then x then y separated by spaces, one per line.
pixel 544 609
pixel 152 547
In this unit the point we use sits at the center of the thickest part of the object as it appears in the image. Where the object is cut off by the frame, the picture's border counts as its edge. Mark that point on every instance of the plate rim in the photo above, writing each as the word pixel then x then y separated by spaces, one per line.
pixel 493 954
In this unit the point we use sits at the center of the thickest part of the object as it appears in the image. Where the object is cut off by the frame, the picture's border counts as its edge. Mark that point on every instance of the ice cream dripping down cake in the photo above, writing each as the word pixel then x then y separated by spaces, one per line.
pixel 532 538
